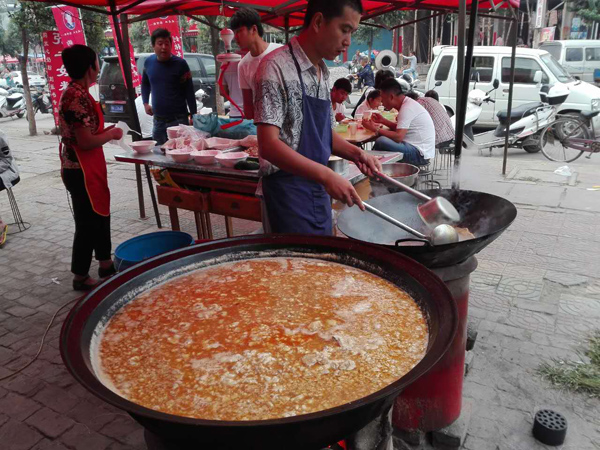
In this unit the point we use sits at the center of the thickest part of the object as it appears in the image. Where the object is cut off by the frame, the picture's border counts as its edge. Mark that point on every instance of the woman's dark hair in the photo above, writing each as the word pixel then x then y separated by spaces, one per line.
pixel 78 59
pixel 160 33
pixel 381 76
pixel 329 8
pixel 246 17
pixel 373 94
pixel 391 86
pixel 433 94
pixel 344 84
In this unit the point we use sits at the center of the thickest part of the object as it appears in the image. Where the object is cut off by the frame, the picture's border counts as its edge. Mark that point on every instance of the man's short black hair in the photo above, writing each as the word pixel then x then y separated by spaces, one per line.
pixel 391 86
pixel 78 59
pixel 381 76
pixel 412 95
pixel 246 17
pixel 373 94
pixel 329 8
pixel 343 83
pixel 160 33
pixel 433 94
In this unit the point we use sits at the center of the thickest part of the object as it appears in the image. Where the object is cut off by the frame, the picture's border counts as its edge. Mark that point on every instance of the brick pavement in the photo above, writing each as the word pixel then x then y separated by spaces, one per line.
pixel 535 296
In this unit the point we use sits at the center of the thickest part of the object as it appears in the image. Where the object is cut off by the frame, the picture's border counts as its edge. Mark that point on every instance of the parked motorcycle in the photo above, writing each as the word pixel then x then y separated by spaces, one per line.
pixel 409 84
pixel 526 123
pixel 41 102
pixel 12 103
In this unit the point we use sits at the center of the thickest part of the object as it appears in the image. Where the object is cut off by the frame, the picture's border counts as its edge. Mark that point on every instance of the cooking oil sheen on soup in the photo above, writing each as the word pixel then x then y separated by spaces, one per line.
pixel 262 339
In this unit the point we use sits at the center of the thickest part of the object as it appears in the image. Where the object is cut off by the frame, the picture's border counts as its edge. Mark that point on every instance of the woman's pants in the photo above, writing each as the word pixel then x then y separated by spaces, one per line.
pixel 92 231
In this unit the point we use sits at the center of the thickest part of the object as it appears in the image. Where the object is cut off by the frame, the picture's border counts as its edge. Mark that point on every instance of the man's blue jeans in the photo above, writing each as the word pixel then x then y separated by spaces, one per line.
pixel 412 72
pixel 410 152
pixel 159 132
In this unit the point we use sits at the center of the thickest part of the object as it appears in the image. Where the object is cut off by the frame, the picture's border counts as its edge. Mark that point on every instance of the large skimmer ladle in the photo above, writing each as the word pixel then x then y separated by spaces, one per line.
pixel 441 234
pixel 434 212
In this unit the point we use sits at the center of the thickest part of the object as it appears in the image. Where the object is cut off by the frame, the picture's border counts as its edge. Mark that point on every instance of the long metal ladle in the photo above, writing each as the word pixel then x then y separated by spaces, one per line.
pixel 441 234
pixel 434 212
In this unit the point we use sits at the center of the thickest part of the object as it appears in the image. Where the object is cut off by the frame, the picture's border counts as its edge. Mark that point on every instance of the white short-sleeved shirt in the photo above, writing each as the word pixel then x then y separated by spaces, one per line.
pixel 249 65
pixel 339 108
pixel 230 77
pixel 362 108
pixel 421 131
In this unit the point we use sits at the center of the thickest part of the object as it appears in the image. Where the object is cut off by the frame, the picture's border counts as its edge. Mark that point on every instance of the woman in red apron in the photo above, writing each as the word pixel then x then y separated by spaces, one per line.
pixel 83 166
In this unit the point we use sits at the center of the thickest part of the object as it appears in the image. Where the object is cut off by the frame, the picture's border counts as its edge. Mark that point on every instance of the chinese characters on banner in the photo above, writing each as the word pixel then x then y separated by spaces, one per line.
pixel 135 75
pixel 171 24
pixel 69 25
pixel 58 79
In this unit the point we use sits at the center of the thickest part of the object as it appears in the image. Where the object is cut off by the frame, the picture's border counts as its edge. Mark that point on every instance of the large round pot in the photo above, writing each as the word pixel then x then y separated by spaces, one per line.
pixel 306 432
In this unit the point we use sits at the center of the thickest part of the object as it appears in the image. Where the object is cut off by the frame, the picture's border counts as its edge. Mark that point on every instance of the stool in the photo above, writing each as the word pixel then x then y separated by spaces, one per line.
pixel 19 222
pixel 425 179
pixel 442 164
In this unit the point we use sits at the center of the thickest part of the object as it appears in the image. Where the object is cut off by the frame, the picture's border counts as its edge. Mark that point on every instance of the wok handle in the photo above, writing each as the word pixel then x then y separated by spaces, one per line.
pixel 393 221
pixel 412 240
pixel 403 186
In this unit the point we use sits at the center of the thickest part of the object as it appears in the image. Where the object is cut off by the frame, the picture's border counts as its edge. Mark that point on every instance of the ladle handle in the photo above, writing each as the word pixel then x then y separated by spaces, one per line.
pixel 393 221
pixel 403 186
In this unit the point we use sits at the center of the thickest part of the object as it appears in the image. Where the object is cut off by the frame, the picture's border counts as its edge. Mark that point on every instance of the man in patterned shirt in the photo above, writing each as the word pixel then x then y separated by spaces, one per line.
pixel 294 121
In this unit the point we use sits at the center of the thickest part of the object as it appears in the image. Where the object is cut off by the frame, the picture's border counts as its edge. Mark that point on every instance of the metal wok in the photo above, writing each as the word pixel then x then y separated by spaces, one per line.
pixel 485 215
pixel 306 432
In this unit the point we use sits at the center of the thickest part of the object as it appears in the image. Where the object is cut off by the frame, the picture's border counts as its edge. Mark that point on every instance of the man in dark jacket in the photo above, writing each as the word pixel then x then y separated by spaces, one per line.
pixel 169 79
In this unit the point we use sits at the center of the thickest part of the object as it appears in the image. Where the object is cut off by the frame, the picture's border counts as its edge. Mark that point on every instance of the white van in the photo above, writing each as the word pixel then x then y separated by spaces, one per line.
pixel 580 57
pixel 494 63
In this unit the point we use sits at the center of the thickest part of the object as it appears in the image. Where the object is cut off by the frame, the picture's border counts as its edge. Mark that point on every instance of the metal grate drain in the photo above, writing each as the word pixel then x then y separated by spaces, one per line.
pixel 550 427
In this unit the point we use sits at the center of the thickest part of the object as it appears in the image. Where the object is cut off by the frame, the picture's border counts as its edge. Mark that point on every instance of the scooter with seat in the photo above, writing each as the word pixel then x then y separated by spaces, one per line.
pixel 526 121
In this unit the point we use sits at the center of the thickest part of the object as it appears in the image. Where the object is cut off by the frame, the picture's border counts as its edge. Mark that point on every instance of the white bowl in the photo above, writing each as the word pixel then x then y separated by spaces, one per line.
pixel 173 132
pixel 205 156
pixel 180 156
pixel 231 159
pixel 142 147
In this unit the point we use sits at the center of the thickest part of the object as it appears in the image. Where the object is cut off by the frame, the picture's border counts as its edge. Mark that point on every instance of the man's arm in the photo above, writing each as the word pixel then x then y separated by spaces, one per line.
pixel 281 155
pixel 146 89
pixel 188 87
pixel 394 135
pixel 248 103
pixel 368 164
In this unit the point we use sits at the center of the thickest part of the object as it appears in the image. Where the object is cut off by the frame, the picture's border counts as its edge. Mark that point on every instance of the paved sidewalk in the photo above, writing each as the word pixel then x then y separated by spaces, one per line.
pixel 535 296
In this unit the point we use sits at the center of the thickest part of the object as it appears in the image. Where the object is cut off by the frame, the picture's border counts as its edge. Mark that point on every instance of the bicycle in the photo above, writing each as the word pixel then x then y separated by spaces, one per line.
pixel 568 137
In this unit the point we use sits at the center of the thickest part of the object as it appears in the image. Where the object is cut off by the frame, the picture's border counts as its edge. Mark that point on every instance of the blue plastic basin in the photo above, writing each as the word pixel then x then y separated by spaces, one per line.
pixel 149 245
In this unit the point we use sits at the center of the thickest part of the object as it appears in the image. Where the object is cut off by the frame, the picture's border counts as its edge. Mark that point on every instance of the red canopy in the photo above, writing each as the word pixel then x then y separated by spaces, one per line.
pixel 273 12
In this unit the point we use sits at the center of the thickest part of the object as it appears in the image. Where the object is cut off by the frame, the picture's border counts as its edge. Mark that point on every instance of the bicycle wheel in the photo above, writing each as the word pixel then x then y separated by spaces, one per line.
pixel 554 139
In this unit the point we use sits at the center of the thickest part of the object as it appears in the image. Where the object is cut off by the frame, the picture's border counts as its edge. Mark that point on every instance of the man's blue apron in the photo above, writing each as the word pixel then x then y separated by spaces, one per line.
pixel 296 204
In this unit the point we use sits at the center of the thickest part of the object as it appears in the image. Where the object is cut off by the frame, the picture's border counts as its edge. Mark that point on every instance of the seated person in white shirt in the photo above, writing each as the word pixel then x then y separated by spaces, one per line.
pixel 342 88
pixel 413 134
pixel 372 102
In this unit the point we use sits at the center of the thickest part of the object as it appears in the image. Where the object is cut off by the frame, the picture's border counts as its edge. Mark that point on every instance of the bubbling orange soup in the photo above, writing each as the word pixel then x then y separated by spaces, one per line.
pixel 261 339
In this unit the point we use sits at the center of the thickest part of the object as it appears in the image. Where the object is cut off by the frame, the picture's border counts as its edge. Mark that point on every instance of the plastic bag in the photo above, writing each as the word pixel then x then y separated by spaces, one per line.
pixel 211 123
pixel 121 142
pixel 564 171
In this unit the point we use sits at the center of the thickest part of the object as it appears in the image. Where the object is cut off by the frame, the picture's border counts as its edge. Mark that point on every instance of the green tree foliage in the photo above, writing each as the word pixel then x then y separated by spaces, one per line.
pixel 94 25
pixel 10 41
pixel 367 34
pixel 140 37
pixel 586 9
pixel 31 19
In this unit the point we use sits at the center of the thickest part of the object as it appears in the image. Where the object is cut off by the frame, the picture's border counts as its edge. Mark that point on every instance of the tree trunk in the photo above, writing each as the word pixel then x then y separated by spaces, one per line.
pixel 214 44
pixel 370 43
pixel 28 102
pixel 414 49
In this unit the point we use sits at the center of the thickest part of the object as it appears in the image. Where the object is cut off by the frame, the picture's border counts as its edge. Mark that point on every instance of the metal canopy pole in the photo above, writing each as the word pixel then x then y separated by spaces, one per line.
pixel 463 83
pixel 122 32
pixel 287 28
pixel 513 34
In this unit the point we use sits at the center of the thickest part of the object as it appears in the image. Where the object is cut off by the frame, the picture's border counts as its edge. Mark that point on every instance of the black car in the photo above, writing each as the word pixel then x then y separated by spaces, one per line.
pixel 113 94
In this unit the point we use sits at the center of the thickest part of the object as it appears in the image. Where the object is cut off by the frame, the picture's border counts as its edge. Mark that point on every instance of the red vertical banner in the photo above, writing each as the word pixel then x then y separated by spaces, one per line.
pixel 135 75
pixel 171 24
pixel 58 79
pixel 69 25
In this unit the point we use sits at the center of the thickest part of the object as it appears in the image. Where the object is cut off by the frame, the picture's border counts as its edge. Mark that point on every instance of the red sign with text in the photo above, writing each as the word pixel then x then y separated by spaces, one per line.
pixel 69 25
pixel 171 24
pixel 135 75
pixel 58 79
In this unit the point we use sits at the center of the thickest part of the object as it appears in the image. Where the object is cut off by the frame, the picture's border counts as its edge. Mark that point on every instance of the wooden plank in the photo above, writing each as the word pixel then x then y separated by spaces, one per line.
pixel 183 198
pixel 214 182
pixel 235 205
